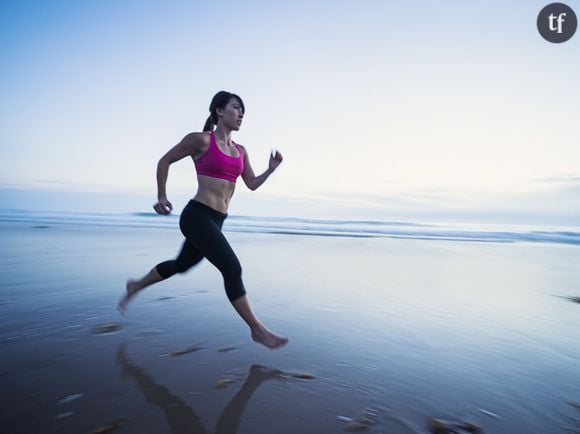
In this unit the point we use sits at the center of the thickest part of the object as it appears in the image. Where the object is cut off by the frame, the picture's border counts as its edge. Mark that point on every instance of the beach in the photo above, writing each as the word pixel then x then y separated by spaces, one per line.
pixel 386 332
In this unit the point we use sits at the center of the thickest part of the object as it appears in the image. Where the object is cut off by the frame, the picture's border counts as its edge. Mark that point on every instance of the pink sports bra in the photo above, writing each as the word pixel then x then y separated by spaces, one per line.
pixel 216 164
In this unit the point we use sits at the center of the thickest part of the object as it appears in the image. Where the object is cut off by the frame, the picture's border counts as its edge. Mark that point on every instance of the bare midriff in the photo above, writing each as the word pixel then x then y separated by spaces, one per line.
pixel 214 192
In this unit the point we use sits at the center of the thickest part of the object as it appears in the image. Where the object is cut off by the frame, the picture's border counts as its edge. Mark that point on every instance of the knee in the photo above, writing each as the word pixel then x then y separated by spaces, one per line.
pixel 183 266
pixel 232 269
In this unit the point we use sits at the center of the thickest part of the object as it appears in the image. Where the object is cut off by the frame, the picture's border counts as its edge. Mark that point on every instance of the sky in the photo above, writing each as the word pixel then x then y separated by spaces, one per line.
pixel 459 106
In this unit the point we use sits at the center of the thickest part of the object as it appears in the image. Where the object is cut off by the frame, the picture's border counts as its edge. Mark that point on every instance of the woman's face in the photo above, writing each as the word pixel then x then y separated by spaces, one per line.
pixel 232 114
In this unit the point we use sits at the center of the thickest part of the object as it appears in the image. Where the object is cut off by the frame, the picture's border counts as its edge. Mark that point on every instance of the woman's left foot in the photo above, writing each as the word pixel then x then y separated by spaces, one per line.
pixel 269 339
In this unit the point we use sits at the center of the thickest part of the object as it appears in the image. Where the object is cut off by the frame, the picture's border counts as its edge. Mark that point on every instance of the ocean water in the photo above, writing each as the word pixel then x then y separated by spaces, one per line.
pixel 390 324
pixel 301 226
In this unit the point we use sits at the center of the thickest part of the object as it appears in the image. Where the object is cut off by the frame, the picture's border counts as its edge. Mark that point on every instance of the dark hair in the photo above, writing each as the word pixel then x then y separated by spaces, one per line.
pixel 220 100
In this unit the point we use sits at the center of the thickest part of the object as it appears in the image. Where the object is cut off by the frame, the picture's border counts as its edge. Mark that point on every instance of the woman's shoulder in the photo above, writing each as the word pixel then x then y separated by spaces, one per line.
pixel 239 145
pixel 197 142
pixel 198 136
pixel 242 149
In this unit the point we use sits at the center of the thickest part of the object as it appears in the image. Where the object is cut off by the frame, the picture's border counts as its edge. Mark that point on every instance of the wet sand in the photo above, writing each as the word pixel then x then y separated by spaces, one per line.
pixel 385 331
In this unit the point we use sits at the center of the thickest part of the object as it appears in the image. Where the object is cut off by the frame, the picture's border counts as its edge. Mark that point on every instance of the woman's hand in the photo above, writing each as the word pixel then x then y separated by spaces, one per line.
pixel 163 206
pixel 275 160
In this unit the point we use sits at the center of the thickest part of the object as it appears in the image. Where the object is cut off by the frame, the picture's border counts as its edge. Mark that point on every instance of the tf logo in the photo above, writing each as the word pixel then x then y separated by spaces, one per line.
pixel 557 22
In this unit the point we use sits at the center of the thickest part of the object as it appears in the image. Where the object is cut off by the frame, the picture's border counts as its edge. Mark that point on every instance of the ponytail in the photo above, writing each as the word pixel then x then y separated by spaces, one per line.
pixel 209 124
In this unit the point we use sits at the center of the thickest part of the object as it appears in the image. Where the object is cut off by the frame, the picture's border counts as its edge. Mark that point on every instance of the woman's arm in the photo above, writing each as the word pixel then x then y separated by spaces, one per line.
pixel 189 145
pixel 253 181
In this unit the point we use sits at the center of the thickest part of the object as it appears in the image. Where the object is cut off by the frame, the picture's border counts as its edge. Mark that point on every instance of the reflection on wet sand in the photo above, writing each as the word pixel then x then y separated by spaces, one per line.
pixel 180 416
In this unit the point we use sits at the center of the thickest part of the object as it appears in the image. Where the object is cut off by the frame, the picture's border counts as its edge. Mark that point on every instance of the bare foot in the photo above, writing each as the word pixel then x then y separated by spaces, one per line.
pixel 132 290
pixel 269 339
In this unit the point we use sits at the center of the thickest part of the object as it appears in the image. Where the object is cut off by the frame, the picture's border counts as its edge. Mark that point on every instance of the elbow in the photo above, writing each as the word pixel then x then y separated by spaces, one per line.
pixel 255 184
pixel 250 183
pixel 163 162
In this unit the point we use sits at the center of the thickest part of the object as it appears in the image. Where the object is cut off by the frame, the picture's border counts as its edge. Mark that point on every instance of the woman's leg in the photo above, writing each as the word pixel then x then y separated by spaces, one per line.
pixel 187 258
pixel 205 234
pixel 260 333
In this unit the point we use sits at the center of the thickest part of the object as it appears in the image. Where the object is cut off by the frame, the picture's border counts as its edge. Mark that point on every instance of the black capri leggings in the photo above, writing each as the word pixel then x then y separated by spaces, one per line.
pixel 202 227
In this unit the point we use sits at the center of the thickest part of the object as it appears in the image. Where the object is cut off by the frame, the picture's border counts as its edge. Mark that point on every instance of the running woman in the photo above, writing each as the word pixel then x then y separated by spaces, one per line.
pixel 218 161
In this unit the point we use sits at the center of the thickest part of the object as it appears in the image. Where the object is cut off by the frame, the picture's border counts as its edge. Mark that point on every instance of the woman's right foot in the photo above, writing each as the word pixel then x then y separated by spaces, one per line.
pixel 132 290
pixel 268 339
